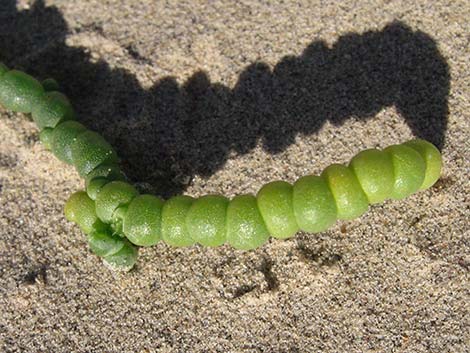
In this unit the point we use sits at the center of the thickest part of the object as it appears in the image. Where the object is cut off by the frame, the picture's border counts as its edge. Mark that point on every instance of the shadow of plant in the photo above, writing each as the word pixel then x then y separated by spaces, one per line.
pixel 171 132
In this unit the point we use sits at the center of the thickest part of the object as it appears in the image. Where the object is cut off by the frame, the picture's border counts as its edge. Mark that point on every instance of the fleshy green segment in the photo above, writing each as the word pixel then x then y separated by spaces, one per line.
pixel 142 222
pixel 374 171
pixel 206 220
pixel 89 150
pixel 80 209
pixel 100 176
pixel 95 186
pixel 245 226
pixel 351 202
pixel 51 109
pixel 314 205
pixel 116 251
pixel 432 159
pixel 45 136
pixel 103 243
pixel 409 170
pixel 112 196
pixel 109 171
pixel 124 259
pixel 19 91
pixel 63 137
pixel 174 230
pixel 276 206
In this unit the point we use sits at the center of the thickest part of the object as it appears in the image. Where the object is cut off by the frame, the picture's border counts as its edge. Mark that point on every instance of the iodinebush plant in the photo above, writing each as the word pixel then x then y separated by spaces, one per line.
pixel 116 217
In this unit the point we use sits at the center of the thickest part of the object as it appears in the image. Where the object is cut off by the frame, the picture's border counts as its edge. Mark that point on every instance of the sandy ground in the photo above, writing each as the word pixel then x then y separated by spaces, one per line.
pixel 224 96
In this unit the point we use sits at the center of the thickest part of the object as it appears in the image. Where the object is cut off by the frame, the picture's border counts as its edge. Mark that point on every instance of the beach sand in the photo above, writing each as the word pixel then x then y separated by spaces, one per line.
pixel 222 97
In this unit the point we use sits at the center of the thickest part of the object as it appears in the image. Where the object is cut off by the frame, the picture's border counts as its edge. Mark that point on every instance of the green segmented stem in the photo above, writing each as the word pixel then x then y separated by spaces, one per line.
pixel 112 196
pixel 206 220
pixel 374 171
pixel 80 209
pixel 275 203
pixel 19 91
pixel 100 176
pixel 409 168
pixel 63 136
pixel 314 204
pixel 350 199
pixel 142 220
pixel 115 216
pixel 174 229
pixel 51 109
pixel 46 137
pixel 115 250
pixel 245 226
pixel 103 243
pixel 89 150
pixel 432 160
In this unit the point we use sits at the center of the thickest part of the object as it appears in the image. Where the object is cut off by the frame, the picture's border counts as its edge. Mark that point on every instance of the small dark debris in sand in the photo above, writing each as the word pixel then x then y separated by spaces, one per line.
pixel 37 274
pixel 321 256
pixel 8 161
pixel 269 276
pixel 242 290
pixel 444 183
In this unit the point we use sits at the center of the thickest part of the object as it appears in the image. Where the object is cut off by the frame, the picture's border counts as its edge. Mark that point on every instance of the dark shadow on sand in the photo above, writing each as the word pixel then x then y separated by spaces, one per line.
pixel 167 134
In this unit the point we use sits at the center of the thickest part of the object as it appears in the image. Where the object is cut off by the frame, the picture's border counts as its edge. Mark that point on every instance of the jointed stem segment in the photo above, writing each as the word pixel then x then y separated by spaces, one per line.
pixel 115 216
